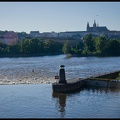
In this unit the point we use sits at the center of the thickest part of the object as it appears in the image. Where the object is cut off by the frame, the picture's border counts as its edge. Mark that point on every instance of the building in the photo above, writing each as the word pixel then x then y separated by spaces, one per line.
pixel 94 30
pixel 102 31
pixel 9 37
pixel 34 34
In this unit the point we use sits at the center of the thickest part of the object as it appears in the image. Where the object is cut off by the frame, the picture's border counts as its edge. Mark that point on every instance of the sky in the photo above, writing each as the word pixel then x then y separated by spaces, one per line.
pixel 58 16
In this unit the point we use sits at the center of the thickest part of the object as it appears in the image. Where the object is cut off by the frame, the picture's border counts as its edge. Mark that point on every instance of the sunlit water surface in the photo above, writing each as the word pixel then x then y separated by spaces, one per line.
pixel 20 99
pixel 43 69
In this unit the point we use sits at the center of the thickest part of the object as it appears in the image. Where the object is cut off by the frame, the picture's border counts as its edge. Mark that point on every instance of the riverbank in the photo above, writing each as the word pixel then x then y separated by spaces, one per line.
pixel 90 55
pixel 28 55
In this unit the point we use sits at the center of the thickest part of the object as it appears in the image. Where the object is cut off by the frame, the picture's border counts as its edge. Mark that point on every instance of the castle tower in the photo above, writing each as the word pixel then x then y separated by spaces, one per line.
pixel 94 25
pixel 87 26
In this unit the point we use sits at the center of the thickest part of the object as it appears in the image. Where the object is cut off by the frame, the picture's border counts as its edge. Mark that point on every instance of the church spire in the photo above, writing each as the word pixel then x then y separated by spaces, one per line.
pixel 94 25
pixel 87 26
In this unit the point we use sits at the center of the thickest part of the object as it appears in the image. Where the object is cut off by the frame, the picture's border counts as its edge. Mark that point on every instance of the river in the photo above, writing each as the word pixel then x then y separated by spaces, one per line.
pixel 26 90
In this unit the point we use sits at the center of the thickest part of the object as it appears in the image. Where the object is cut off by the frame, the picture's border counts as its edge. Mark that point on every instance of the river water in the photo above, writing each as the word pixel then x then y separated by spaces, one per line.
pixel 27 90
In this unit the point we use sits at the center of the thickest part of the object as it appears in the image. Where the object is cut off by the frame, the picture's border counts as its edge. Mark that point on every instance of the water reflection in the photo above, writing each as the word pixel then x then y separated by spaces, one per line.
pixel 60 102
pixel 102 89
pixel 61 99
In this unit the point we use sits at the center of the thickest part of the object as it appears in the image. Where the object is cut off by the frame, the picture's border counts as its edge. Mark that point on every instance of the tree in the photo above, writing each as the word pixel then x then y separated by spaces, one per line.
pixel 114 48
pixel 101 44
pixel 3 48
pixel 77 49
pixel 53 47
pixel 13 49
pixel 66 47
pixel 89 45
pixel 25 47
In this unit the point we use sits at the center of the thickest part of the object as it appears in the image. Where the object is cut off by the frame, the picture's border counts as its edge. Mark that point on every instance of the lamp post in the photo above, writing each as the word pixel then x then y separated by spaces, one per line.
pixel 62 78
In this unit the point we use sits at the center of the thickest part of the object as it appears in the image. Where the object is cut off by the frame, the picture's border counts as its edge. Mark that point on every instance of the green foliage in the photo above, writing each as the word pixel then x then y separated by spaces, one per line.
pixel 114 48
pixel 96 46
pixel 13 49
pixel 31 47
pixel 53 47
pixel 101 44
pixel 2 48
pixel 66 47
pixel 90 46
pixel 118 77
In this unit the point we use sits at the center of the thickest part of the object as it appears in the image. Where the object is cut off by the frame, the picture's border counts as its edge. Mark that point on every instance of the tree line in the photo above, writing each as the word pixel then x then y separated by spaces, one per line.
pixel 31 47
pixel 89 46
pixel 94 46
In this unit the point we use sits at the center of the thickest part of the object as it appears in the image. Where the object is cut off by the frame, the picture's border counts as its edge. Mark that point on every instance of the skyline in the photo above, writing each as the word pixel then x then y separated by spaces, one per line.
pixel 58 16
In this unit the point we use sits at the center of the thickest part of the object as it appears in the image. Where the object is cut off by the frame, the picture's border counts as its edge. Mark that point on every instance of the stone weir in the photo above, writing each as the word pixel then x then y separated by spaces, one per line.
pixel 71 85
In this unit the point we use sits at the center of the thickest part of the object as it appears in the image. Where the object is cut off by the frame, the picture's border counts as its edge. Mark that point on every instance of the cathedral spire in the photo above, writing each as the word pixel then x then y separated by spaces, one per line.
pixel 87 26
pixel 94 25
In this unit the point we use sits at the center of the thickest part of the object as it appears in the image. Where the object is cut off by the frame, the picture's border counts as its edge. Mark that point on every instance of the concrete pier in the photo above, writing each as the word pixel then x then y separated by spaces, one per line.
pixel 65 86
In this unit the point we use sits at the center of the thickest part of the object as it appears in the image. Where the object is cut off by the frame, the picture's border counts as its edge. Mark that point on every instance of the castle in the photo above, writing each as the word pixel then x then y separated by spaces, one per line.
pixel 95 30
pixel 10 37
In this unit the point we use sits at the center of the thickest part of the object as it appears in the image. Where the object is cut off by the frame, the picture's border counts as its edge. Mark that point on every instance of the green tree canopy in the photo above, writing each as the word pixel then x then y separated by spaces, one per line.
pixel 66 47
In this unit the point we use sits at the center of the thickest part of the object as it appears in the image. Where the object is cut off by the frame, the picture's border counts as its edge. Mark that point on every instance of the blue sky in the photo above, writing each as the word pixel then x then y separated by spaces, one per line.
pixel 58 16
